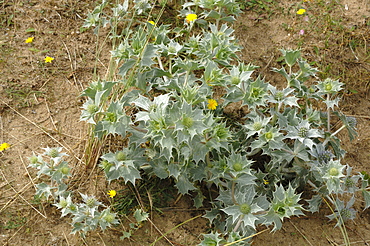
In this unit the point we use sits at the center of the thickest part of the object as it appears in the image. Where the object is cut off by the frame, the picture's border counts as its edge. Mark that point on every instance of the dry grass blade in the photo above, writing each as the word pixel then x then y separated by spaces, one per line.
pixel 18 194
pixel 301 233
pixel 43 130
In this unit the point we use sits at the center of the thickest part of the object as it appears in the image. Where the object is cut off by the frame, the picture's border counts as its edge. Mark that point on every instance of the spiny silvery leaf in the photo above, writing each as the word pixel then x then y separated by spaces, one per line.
pixel 60 172
pixel 200 149
pixel 283 96
pixel 304 133
pixel 184 185
pixel 332 103
pixel 198 199
pixel 283 72
pixel 159 166
pixel 44 189
pixel 214 213
pixel 350 123
pixel 140 215
pixel 126 66
pixel 106 219
pixel 300 151
pixel 366 195
pixel 187 120
pixel 329 86
pixel 257 124
pixel 237 75
pixel 333 174
pixel 213 75
pixel 187 65
pixel 284 154
pixel 241 239
pixel 306 70
pixel 98 90
pixel 223 32
pixel 246 206
pixel 149 53
pixel 90 109
pixel 288 117
pixel 173 48
pixel 291 56
pixel 194 94
pixel 314 203
pixel 213 238
pixel 121 9
pixel 128 172
pixel 174 170
pixel 256 93
pixel 238 165
pixel 115 121
pixel 284 204
pixel 270 137
pixel 313 116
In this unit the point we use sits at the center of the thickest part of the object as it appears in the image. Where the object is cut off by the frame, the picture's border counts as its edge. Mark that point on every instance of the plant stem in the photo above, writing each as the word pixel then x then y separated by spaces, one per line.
pixel 332 135
pixel 233 193
pixel 328 112
pixel 238 223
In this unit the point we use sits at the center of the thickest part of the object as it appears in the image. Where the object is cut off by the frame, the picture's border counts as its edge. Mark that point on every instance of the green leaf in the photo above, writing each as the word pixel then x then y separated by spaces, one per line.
pixel 366 195
pixel 198 200
pixel 148 54
pixel 174 170
pixel 291 56
pixel 126 66
pixel 31 29
pixel 314 203
pixel 33 49
pixel 184 185
pixel 140 215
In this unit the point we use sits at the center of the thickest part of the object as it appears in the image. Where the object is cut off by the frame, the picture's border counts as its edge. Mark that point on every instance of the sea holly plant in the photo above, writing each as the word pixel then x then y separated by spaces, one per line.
pixel 172 103
pixel 87 215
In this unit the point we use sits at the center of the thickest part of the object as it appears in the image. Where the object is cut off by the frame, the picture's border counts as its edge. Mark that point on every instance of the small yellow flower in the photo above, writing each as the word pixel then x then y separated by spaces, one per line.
pixel 4 146
pixel 29 40
pixel 112 193
pixel 301 11
pixel 191 18
pixel 152 22
pixel 48 59
pixel 265 181
pixel 212 104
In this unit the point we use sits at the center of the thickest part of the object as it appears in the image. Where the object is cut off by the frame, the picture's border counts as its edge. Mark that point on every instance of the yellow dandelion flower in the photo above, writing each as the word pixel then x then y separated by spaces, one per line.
pixel 48 59
pixel 265 181
pixel 29 40
pixel 212 104
pixel 301 11
pixel 112 193
pixel 152 22
pixel 191 18
pixel 4 146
